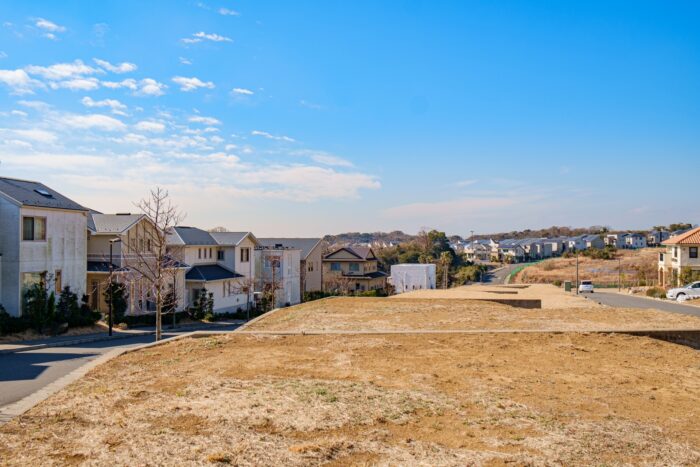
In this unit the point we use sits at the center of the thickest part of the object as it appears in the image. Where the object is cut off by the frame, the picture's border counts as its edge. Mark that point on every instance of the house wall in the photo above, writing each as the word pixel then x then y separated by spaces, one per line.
pixel 226 294
pixel 287 276
pixel 408 277
pixel 246 268
pixel 10 228
pixel 313 279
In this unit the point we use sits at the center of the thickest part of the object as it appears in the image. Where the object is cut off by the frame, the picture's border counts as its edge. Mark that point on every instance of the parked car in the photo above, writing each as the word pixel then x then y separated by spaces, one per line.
pixel 585 286
pixel 682 294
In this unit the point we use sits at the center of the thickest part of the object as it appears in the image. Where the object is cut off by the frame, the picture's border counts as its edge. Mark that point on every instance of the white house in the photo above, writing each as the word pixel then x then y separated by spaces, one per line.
pixel 311 263
pixel 635 240
pixel 222 263
pixel 617 240
pixel 408 277
pixel 278 269
pixel 42 239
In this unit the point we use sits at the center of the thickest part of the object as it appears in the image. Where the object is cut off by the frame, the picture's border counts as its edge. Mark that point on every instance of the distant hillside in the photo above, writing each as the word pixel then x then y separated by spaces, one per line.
pixel 355 238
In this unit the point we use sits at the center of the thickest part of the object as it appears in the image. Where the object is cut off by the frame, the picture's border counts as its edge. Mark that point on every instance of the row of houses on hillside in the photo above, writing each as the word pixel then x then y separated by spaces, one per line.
pixel 46 238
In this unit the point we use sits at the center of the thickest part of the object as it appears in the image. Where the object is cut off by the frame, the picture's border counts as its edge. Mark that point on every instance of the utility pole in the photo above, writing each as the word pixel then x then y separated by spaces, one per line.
pixel 619 274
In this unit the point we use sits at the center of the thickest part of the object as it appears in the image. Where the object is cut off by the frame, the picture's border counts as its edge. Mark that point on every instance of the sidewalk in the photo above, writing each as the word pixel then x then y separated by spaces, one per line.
pixel 60 341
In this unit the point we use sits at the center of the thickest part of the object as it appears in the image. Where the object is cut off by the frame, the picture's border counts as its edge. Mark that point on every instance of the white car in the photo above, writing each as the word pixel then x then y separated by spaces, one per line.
pixel 682 294
pixel 585 286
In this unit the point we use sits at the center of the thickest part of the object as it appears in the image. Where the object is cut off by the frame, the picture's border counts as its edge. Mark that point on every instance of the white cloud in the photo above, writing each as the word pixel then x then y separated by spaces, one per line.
pixel 35 134
pixel 204 120
pixel 185 61
pixel 19 81
pixel 19 113
pixel 62 71
pixel 267 135
pixel 2 54
pixel 310 105
pixel 128 83
pixel 94 121
pixel 76 84
pixel 242 91
pixel 124 67
pixel 330 159
pixel 191 84
pixel 116 106
pixel 150 87
pixel 227 12
pixel 47 25
pixel 203 36
pixel 150 126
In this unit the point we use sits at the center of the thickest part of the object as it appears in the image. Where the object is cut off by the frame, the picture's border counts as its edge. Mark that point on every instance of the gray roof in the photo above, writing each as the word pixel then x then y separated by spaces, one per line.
pixel 29 193
pixel 190 236
pixel 112 223
pixel 306 245
pixel 210 272
pixel 228 238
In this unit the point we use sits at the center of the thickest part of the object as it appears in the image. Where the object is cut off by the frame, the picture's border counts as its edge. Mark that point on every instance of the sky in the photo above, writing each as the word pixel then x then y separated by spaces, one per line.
pixel 310 118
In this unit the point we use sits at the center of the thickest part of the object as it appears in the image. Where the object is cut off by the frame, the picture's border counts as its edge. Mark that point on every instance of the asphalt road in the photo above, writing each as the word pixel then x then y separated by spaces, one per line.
pixel 24 373
pixel 630 301
pixel 499 276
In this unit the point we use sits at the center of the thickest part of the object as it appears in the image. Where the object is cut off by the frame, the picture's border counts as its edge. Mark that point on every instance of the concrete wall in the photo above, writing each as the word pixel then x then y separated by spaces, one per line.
pixel 10 228
pixel 408 277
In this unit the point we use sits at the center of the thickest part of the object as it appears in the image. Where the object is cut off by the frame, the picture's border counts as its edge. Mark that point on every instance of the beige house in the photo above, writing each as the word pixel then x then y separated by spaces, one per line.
pixel 352 269
pixel 311 264
pixel 681 252
pixel 131 237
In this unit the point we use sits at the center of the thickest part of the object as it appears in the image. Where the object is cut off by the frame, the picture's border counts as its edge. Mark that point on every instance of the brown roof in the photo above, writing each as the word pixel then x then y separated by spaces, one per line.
pixel 691 237
pixel 362 252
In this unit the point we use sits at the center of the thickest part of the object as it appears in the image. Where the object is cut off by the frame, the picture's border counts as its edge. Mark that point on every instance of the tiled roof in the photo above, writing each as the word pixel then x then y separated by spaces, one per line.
pixel 210 272
pixel 36 194
pixel 691 237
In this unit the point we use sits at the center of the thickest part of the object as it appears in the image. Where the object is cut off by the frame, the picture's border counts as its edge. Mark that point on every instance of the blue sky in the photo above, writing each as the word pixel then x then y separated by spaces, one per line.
pixel 305 118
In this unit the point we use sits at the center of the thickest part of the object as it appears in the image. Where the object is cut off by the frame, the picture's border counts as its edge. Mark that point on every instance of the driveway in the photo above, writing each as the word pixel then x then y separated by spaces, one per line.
pixel 24 373
pixel 630 301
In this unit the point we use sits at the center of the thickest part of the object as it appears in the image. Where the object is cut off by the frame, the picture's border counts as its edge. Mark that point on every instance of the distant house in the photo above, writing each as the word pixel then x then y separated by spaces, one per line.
pixel 131 238
pixel 557 246
pixel 278 272
pixel 617 240
pixel 635 240
pixel 42 240
pixel 656 237
pixel 352 269
pixel 510 250
pixel 220 262
pixel 310 267
pixel 478 250
pixel 408 277
pixel 682 251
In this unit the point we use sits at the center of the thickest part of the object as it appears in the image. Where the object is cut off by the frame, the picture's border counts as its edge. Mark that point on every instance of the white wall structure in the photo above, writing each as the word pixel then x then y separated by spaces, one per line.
pixel 279 268
pixel 43 237
pixel 408 277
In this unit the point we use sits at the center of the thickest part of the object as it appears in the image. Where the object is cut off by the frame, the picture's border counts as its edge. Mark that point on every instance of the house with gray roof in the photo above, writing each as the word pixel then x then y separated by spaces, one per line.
pixel 222 263
pixel 311 259
pixel 42 240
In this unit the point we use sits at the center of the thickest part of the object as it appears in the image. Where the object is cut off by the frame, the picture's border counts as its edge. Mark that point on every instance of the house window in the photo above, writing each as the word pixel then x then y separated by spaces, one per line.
pixel 199 253
pixel 310 266
pixel 34 228
pixel 675 252
pixel 245 255
pixel 57 281
pixel 354 267
pixel 335 267
pixel 693 252
pixel 219 255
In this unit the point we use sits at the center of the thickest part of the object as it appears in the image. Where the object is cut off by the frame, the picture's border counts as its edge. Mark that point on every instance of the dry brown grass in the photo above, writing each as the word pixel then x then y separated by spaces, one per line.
pixel 536 399
pixel 636 264
pixel 397 314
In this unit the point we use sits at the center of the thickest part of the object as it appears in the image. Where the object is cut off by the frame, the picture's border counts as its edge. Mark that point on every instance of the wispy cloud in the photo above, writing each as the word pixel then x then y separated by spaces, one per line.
pixel 242 91
pixel 191 84
pixel 203 36
pixel 185 61
pixel 61 71
pixel 204 120
pixel 19 81
pixel 2 54
pixel 150 87
pixel 465 183
pixel 150 126
pixel 323 157
pixel 113 104
pixel 49 28
pixel 267 135
pixel 124 67
pixel 228 12
pixel 310 105
pixel 94 121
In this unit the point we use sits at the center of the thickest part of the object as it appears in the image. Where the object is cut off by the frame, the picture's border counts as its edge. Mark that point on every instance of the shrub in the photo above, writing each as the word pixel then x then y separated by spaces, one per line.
pixel 120 301
pixel 10 324
pixel 656 292
pixel 203 307
pixel 38 309
pixel 557 283
pixel 69 311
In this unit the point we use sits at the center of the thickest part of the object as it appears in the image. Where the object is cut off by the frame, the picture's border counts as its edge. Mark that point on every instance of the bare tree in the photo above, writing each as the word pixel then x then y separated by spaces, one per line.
pixel 218 229
pixel 147 256
pixel 338 284
pixel 245 285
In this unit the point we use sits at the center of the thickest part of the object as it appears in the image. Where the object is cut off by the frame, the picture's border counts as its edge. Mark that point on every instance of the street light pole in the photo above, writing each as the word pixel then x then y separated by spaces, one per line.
pixel 111 282
pixel 619 274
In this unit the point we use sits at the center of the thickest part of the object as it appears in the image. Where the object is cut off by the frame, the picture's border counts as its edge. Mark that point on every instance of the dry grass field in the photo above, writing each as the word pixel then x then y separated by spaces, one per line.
pixel 635 264
pixel 396 314
pixel 255 398
pixel 535 399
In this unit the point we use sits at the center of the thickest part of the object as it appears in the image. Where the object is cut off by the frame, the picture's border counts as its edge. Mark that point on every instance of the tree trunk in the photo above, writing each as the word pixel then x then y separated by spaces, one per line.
pixel 159 308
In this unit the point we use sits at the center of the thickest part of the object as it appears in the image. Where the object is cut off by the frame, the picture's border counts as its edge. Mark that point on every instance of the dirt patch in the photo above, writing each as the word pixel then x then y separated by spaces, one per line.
pixel 566 399
pixel 381 314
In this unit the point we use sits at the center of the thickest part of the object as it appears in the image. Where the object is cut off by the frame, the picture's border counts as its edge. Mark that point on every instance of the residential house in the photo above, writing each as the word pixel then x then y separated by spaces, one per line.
pixel 310 267
pixel 352 269
pixel 129 241
pixel 278 271
pixel 510 250
pixel 635 240
pixel 557 246
pixel 616 240
pixel 656 237
pixel 478 250
pixel 222 263
pixel 42 240
pixel 593 241
pixel 681 252
pixel 408 277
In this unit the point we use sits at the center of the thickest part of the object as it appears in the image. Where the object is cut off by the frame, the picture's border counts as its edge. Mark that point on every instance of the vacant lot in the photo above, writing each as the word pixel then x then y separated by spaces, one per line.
pixel 637 265
pixel 556 399
pixel 381 314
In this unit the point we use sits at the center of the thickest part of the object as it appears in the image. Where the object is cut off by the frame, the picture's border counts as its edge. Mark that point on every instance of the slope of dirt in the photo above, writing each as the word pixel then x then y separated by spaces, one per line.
pixel 381 314
pixel 536 399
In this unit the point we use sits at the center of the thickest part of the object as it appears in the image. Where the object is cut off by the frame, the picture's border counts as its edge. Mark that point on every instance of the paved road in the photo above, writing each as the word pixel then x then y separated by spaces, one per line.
pixel 630 301
pixel 499 276
pixel 23 373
